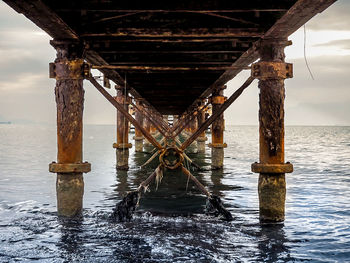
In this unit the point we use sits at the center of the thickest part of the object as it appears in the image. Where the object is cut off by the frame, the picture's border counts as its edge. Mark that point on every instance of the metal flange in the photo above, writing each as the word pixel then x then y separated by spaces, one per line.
pixel 217 99
pixel 123 99
pixel 265 168
pixel 122 145
pixel 217 145
pixel 69 167
pixel 68 69
pixel 171 158
pixel 264 70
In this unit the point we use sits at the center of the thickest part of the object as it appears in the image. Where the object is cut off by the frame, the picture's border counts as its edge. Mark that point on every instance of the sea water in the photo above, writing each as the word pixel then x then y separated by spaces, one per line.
pixel 170 225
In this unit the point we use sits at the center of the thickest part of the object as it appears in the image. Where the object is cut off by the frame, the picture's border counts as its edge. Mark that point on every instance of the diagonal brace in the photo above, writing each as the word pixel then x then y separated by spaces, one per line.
pixel 213 117
pixel 120 107
pixel 147 116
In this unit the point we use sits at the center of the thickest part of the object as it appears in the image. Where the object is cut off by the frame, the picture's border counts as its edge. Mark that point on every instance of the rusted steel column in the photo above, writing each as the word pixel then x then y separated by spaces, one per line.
pixel 69 92
pixel 147 125
pixel 271 72
pixel 217 144
pixel 138 134
pixel 202 137
pixel 122 145
pixel 192 127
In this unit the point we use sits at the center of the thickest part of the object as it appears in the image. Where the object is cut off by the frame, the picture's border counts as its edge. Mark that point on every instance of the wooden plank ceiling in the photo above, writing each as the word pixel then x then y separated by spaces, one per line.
pixel 173 52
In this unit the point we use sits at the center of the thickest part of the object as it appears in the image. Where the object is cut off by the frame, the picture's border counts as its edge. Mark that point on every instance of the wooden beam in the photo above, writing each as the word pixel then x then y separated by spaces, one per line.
pixel 146 68
pixel 43 17
pixel 113 10
pixel 177 32
pixel 165 40
pixel 301 12
pixel 102 51
pixel 179 64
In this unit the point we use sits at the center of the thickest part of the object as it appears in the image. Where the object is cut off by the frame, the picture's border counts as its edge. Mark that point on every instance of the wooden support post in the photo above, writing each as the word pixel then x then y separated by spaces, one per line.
pixel 122 145
pixel 138 134
pixel 68 71
pixel 201 138
pixel 271 72
pixel 217 144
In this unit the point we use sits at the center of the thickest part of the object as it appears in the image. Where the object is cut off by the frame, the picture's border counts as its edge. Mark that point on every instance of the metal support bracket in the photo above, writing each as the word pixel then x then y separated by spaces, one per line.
pixel 217 145
pixel 122 145
pixel 123 100
pixel 69 167
pixel 69 69
pixel 217 100
pixel 264 70
pixel 264 168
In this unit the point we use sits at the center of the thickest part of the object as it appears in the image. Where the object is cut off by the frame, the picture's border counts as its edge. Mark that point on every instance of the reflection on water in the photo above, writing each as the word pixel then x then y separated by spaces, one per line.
pixel 169 225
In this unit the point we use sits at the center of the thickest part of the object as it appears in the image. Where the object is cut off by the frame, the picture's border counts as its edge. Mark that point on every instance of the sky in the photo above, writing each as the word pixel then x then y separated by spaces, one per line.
pixel 27 93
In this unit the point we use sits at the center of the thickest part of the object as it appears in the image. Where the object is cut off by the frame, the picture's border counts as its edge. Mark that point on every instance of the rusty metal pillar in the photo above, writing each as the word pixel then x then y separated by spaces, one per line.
pixel 138 134
pixel 271 71
pixel 147 125
pixel 68 70
pixel 202 137
pixel 217 144
pixel 122 145
pixel 192 127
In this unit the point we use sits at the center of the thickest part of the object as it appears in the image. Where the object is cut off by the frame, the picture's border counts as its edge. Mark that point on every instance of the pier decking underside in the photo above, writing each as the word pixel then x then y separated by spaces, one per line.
pixel 170 53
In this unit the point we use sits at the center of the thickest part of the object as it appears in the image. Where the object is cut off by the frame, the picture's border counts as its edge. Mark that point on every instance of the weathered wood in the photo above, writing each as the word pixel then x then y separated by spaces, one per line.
pixel 168 39
pixel 128 11
pixel 171 51
pixel 163 68
pixel 191 32
pixel 297 15
pixel 44 18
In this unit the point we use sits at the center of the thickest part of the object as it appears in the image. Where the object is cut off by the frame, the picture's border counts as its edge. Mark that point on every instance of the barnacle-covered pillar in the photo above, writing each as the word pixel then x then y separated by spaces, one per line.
pixel 201 138
pixel 217 144
pixel 271 71
pixel 122 145
pixel 138 134
pixel 68 70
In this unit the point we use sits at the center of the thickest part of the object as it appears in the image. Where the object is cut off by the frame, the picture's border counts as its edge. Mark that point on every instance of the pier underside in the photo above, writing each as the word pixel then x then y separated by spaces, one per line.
pixel 172 58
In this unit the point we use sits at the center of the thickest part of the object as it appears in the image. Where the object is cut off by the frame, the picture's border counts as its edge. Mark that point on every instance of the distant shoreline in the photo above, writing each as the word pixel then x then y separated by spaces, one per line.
pixel 5 122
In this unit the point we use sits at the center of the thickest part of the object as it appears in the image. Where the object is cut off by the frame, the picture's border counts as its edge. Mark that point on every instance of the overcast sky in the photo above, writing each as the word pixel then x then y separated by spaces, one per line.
pixel 27 94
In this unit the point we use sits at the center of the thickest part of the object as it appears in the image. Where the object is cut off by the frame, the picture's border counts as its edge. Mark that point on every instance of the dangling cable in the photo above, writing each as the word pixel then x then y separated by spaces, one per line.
pixel 307 64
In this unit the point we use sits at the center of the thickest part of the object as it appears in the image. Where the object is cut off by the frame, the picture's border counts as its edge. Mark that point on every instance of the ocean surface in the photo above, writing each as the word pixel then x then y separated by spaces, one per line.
pixel 170 225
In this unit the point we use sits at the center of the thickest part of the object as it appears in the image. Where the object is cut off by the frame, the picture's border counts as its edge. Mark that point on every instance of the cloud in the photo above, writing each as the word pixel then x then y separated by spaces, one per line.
pixel 336 17
pixel 341 43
